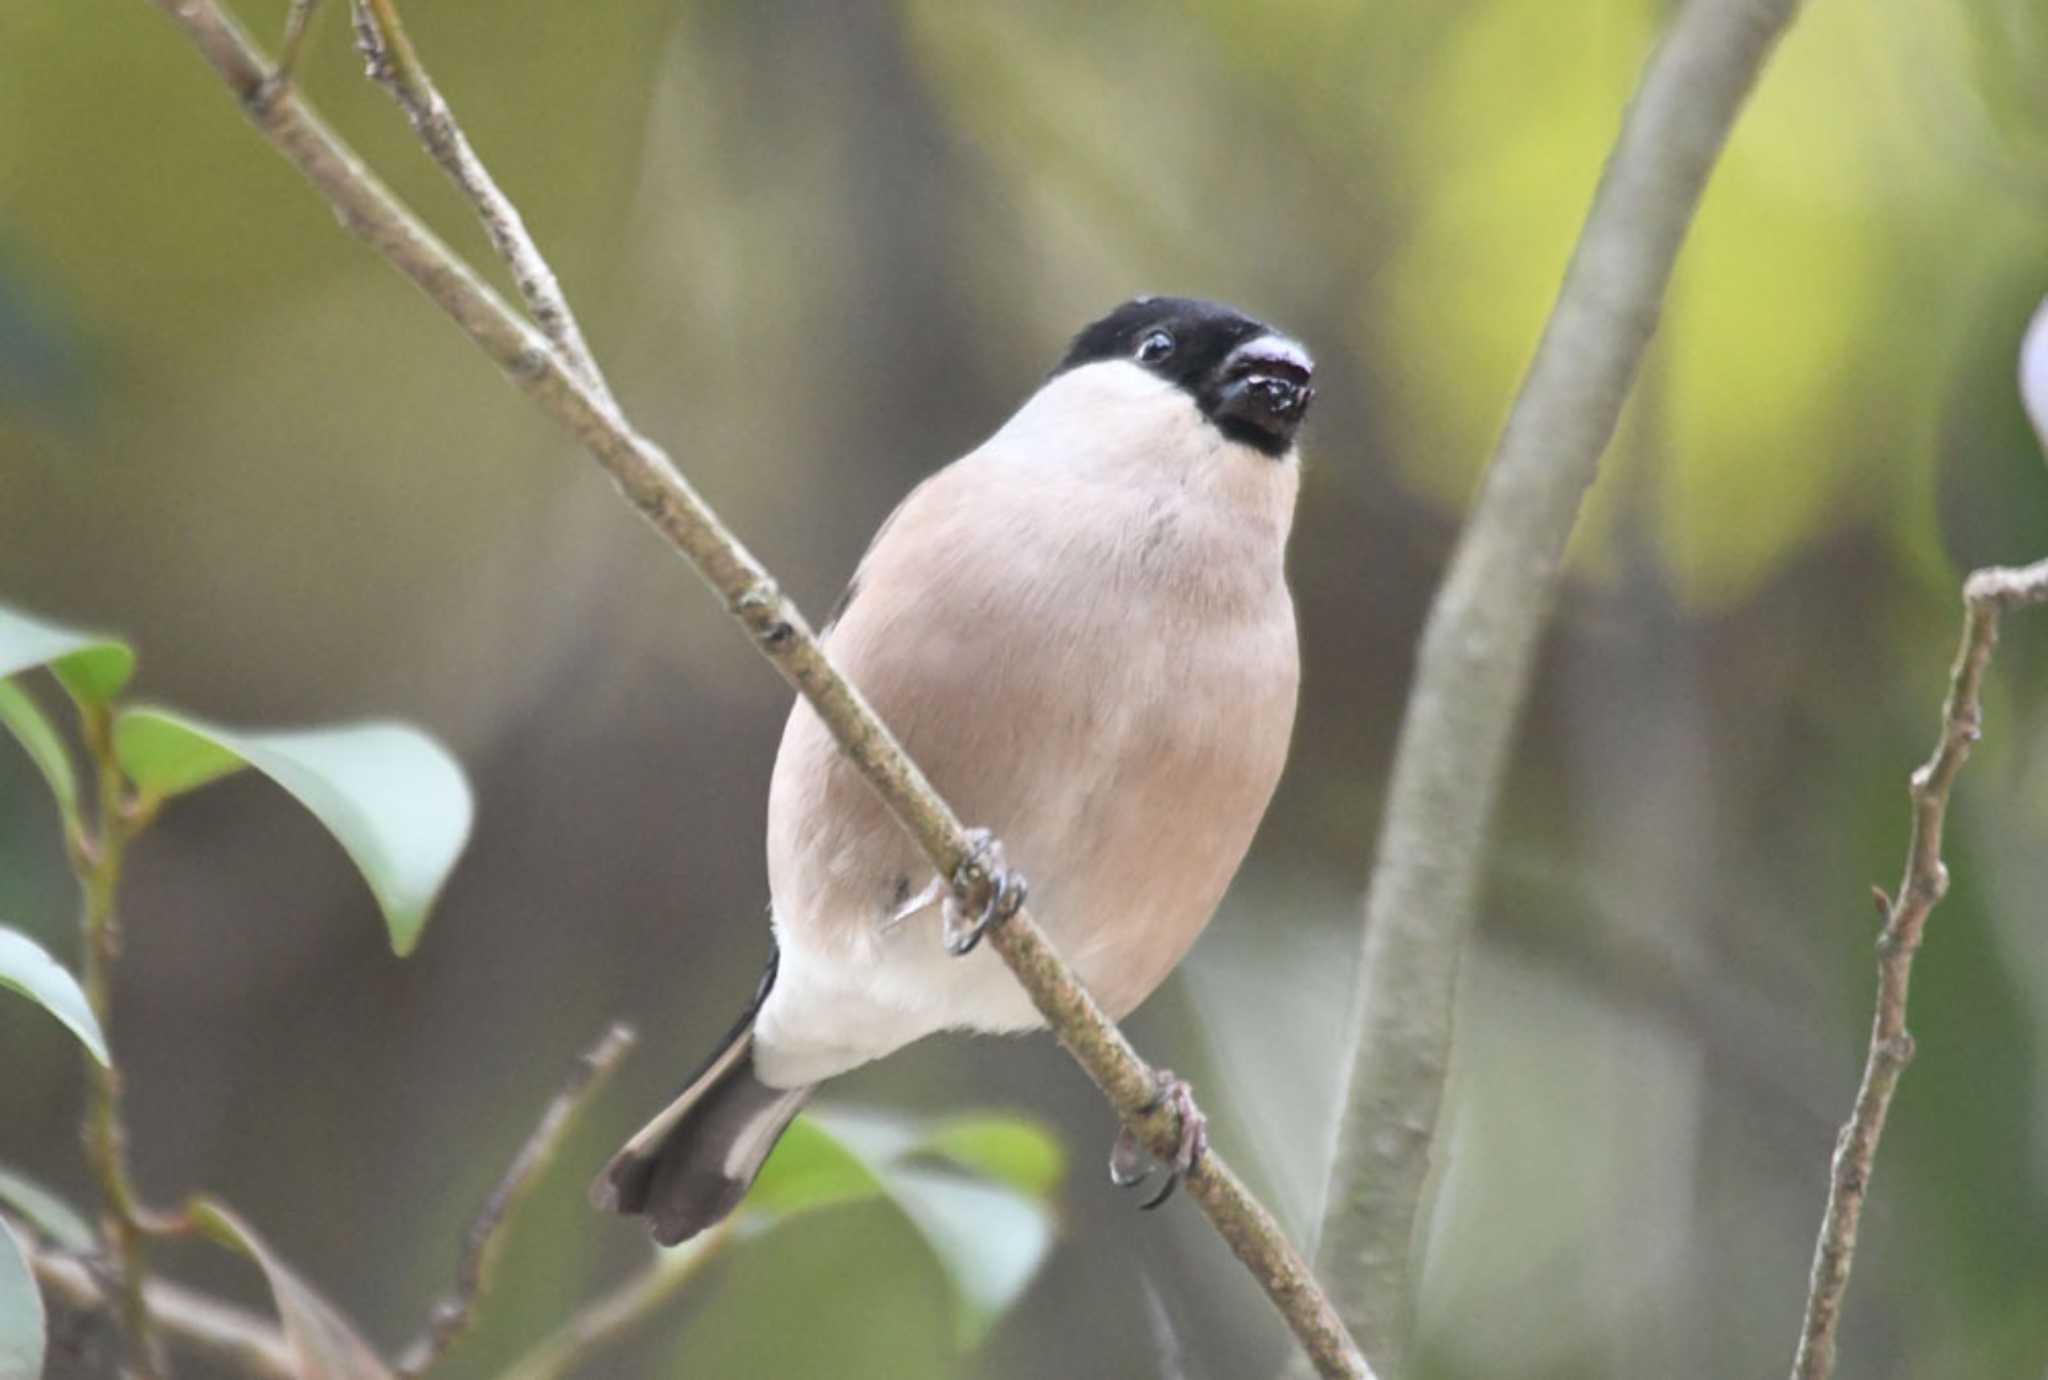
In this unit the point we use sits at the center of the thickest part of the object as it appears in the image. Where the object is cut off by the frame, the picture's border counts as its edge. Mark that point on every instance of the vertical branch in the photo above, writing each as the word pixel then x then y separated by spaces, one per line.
pixel 1477 652
pixel 98 859
pixel 1986 594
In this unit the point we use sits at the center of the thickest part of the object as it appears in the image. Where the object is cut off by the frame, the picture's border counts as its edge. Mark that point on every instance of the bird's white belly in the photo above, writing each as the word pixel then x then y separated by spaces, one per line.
pixel 832 1011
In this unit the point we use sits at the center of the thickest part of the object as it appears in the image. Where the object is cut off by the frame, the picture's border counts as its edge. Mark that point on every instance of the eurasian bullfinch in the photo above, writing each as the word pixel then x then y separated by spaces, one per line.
pixel 1082 632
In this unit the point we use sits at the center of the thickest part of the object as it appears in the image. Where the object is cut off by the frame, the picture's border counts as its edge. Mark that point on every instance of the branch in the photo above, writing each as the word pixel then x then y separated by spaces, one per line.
pixel 609 1317
pixel 97 860
pixel 1478 649
pixel 453 1315
pixel 396 66
pixel 654 485
pixel 219 1331
pixel 298 22
pixel 1986 594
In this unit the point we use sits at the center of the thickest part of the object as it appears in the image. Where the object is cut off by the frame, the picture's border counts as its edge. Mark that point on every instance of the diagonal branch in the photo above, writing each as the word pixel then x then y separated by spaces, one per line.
pixel 610 1316
pixel 396 66
pixel 453 1315
pixel 1478 649
pixel 655 486
pixel 1986 594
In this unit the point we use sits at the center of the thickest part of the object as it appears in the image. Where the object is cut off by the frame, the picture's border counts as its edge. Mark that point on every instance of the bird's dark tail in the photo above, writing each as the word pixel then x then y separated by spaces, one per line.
pixel 692 1164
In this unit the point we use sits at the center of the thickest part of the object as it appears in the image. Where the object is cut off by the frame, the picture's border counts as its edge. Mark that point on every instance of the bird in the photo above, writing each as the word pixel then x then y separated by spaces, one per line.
pixel 1082 631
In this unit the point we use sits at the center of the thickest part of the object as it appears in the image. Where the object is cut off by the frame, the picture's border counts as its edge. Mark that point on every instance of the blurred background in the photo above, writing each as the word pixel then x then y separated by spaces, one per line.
pixel 823 250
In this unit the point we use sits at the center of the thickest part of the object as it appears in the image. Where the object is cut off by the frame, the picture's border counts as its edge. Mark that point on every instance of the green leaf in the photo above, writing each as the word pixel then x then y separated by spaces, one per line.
pixel 394 799
pixel 165 755
pixel 326 1344
pixel 21 1312
pixel 1007 1149
pixel 876 1137
pixel 989 1229
pixel 26 968
pixel 92 667
pixel 988 1237
pixel 22 717
pixel 45 1211
pixel 96 674
pixel 810 1168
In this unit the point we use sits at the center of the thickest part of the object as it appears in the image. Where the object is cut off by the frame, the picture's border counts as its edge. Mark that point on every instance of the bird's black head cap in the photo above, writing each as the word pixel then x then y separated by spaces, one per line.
pixel 1248 379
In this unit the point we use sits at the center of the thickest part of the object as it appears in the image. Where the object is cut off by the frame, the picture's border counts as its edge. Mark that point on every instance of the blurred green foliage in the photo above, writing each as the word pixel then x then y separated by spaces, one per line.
pixel 971 1186
pixel 822 251
pixel 391 796
pixel 29 970
pixel 45 1212
pixel 21 1311
pixel 324 1344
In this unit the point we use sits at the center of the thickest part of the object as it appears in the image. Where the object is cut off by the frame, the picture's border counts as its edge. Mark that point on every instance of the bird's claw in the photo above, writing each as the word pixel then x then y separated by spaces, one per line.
pixel 985 892
pixel 1131 1162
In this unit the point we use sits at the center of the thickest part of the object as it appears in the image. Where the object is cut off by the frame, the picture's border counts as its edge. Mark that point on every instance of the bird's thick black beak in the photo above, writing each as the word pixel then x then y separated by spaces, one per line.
pixel 1262 392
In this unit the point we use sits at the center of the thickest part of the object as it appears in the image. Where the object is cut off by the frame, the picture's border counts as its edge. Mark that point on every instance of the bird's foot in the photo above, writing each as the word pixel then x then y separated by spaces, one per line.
pixel 985 892
pixel 1131 1162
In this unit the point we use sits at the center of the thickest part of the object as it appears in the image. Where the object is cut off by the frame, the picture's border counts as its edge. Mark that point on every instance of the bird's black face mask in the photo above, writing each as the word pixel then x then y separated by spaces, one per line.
pixel 1250 381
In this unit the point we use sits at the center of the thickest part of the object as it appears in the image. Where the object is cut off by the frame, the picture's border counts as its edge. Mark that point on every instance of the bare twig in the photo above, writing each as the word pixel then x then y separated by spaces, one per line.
pixel 1986 594
pixel 1478 650
pixel 453 1315
pixel 654 485
pixel 610 1316
pixel 217 1330
pixel 297 24
pixel 396 66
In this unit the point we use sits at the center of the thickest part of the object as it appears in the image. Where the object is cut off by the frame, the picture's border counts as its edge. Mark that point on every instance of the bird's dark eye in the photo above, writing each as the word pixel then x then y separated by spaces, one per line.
pixel 1156 346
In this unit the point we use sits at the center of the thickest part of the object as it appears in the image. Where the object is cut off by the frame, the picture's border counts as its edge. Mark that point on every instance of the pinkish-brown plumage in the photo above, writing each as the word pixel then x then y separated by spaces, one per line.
pixel 1082 632
pixel 1087 643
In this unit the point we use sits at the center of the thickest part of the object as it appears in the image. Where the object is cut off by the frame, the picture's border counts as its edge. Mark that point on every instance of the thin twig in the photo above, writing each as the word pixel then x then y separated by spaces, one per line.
pixel 1478 650
pixel 213 1328
pixel 106 1138
pixel 396 66
pixel 610 1316
pixel 297 24
pixel 453 1315
pixel 654 485
pixel 1986 594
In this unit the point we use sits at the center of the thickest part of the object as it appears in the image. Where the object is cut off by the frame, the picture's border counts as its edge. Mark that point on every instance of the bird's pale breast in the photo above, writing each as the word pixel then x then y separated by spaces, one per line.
pixel 1104 674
